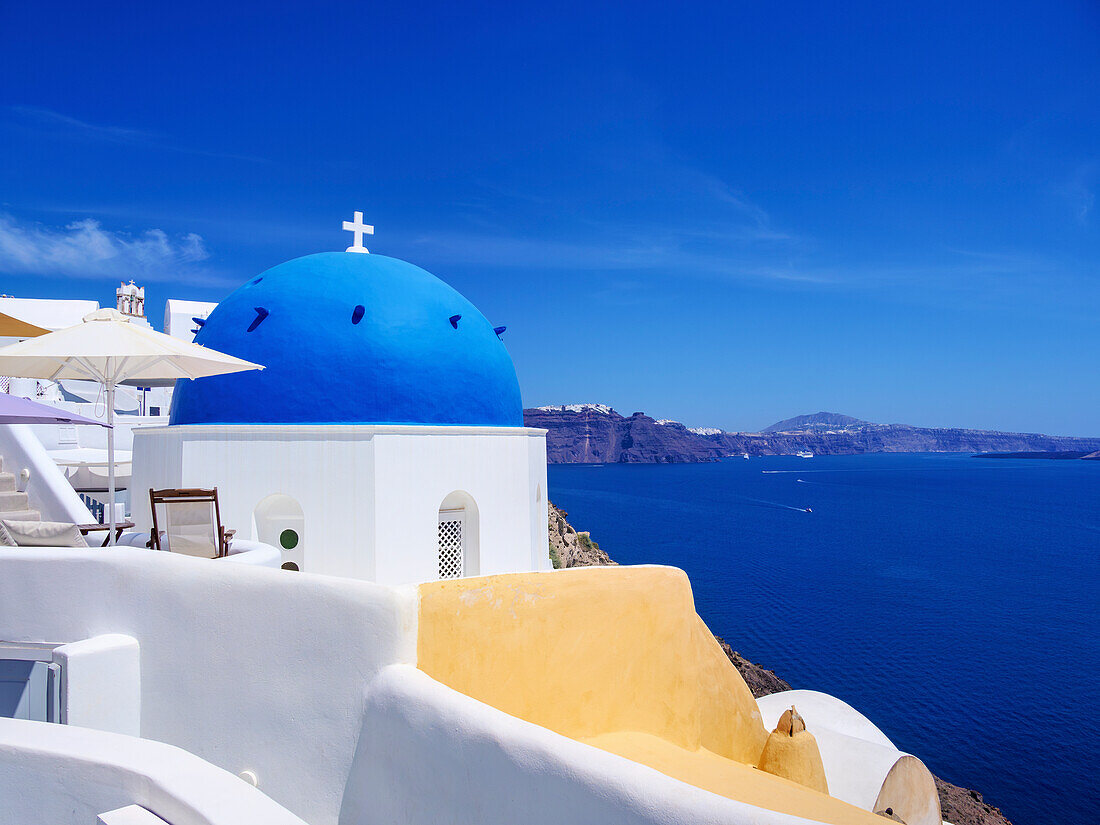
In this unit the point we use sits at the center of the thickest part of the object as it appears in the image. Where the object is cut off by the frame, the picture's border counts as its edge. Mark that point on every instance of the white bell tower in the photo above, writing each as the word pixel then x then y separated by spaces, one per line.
pixel 130 300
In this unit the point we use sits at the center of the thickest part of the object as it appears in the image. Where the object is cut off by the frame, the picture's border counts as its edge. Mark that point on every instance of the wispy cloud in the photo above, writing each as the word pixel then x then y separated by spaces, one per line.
pixel 49 119
pixel 678 253
pixel 651 211
pixel 1080 190
pixel 710 189
pixel 84 249
pixel 57 123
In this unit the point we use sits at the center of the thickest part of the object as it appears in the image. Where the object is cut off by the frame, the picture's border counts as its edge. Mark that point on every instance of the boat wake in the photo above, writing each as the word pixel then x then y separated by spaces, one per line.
pixel 776 504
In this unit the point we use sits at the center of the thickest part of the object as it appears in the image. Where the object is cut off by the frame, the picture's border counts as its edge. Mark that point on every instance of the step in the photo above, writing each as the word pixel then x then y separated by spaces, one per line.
pixel 7 482
pixel 12 501
pixel 21 515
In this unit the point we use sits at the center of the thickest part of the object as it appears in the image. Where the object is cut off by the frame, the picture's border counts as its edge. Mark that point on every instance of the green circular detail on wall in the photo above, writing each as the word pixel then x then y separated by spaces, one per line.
pixel 288 539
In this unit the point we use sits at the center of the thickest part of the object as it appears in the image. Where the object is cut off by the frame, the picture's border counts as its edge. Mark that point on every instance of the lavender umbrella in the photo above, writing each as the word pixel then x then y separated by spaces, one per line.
pixel 16 410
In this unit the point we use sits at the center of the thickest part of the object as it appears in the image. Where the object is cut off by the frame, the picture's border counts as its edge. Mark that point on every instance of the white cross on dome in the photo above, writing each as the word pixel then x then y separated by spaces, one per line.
pixel 358 228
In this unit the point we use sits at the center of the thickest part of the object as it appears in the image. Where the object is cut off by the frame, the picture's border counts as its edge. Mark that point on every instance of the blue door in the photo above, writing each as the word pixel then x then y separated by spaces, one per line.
pixel 27 690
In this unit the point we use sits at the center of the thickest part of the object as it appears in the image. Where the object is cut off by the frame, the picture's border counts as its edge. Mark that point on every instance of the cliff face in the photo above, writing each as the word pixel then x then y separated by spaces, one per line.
pixel 569 548
pixel 900 438
pixel 594 434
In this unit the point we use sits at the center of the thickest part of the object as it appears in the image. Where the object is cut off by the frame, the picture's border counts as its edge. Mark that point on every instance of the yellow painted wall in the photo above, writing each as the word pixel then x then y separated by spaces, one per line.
pixel 589 651
pixel 615 657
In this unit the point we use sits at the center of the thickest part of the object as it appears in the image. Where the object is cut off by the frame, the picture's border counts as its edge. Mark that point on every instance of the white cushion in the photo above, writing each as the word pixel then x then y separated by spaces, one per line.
pixel 44 533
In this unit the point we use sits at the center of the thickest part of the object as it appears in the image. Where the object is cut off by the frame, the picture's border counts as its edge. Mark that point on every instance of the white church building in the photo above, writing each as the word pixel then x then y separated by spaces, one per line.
pixel 384 439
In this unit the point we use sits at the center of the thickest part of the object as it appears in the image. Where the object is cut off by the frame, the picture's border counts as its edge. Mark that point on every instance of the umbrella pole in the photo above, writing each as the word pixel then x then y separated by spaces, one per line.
pixel 111 461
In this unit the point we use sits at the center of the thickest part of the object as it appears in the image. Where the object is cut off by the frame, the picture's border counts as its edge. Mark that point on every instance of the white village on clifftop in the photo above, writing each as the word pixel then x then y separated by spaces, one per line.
pixel 304 577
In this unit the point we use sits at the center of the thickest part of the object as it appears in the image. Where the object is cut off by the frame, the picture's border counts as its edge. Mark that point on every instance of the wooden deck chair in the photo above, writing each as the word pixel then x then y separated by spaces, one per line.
pixel 191 524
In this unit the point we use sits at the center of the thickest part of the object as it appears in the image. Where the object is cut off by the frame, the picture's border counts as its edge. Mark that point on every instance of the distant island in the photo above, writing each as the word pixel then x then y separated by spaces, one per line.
pixel 597 434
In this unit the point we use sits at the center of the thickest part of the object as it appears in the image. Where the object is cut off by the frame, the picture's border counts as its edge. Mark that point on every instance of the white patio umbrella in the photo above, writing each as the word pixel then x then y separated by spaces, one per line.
pixel 107 348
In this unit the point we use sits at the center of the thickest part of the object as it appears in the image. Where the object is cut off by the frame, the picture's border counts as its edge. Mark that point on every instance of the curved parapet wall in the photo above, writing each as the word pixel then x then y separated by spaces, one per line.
pixel 824 710
pixel 241 551
pixel 862 766
pixel 58 773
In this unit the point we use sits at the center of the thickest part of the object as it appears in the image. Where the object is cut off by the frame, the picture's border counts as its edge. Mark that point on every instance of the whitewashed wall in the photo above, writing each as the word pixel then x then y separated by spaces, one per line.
pixel 369 495
pixel 101 683
pixel 61 775
pixel 247 667
pixel 415 471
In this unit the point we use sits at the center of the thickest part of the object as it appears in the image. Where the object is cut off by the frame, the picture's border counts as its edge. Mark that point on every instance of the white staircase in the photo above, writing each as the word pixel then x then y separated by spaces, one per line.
pixel 13 504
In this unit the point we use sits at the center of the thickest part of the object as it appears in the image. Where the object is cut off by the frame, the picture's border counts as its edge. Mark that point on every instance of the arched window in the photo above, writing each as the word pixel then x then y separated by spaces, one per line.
pixel 458 550
pixel 279 521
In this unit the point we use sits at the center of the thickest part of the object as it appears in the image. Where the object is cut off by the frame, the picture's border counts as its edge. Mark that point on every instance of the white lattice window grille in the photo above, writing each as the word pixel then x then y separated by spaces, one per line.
pixel 452 543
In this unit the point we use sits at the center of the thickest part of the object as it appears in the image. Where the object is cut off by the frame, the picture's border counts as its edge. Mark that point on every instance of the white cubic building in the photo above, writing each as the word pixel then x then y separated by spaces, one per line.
pixel 383 441
pixel 183 319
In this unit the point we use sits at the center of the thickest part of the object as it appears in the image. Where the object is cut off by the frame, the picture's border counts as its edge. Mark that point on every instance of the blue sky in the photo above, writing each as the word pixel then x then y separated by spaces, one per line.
pixel 725 214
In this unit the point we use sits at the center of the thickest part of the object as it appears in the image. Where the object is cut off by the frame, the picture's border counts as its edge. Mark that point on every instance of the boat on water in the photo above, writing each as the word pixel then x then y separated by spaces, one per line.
pixel 804 454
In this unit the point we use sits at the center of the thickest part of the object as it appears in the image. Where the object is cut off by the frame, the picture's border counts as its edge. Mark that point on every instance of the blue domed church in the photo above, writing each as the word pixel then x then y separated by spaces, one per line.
pixel 383 439
pixel 360 339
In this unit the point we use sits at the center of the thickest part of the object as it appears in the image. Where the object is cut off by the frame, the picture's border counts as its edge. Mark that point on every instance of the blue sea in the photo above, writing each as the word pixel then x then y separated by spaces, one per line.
pixel 953 600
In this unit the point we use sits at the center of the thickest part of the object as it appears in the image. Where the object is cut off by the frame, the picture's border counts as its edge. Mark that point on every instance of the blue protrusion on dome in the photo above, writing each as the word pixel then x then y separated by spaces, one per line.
pixel 261 313
pixel 398 365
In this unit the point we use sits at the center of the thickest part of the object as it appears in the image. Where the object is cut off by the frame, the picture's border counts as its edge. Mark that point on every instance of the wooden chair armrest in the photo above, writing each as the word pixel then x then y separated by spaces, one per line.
pixel 227 536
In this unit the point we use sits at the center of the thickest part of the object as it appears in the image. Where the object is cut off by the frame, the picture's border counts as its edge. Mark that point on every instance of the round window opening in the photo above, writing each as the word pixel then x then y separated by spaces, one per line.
pixel 288 539
pixel 290 566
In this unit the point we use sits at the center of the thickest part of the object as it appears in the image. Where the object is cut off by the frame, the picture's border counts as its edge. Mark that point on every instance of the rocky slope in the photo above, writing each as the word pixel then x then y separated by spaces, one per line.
pixel 760 680
pixel 570 548
pixel 962 806
pixel 597 434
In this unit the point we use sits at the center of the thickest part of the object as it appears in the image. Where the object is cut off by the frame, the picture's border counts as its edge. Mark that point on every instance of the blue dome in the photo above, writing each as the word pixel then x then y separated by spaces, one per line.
pixel 352 338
